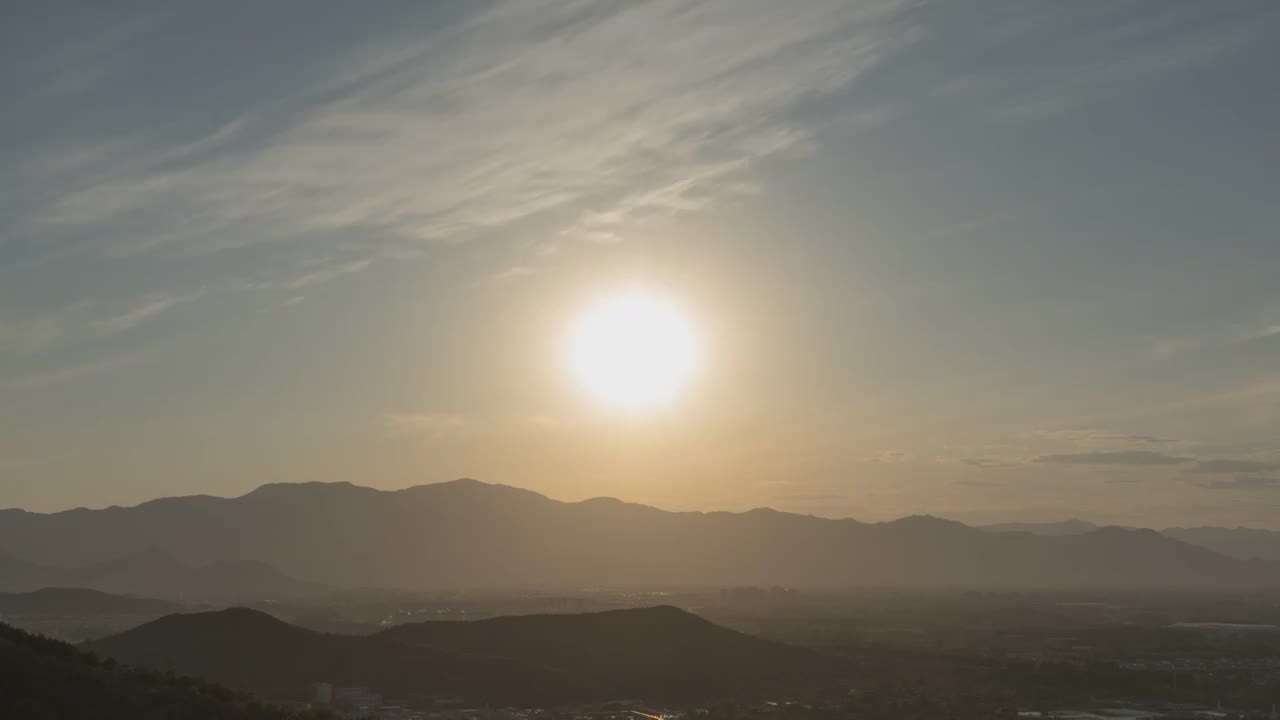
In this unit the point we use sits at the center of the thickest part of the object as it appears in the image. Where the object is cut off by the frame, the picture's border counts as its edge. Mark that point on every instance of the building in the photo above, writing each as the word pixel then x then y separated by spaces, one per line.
pixel 322 693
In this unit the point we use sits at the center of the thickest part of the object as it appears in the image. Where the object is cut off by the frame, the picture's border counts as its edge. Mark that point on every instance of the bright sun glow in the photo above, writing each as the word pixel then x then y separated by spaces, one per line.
pixel 634 351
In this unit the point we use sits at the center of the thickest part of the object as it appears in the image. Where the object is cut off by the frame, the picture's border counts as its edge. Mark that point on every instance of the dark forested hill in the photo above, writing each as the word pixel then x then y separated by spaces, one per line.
pixel 251 650
pixel 647 652
pixel 42 679
pixel 654 653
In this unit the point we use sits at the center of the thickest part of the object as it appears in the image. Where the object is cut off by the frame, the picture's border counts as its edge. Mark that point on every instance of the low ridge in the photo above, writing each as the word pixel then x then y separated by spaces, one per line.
pixel 658 653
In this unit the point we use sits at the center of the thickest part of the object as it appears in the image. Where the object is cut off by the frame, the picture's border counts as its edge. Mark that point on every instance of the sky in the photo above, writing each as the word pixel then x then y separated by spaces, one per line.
pixel 992 261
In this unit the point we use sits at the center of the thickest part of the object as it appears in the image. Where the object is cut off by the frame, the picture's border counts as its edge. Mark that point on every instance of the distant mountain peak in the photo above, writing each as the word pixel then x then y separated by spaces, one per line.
pixel 1070 526
pixel 283 488
pixel 246 615
pixel 471 488
pixel 230 620
pixel 602 500
pixel 926 521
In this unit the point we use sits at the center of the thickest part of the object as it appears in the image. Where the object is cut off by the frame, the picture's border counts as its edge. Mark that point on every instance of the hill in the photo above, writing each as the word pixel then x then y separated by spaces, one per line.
pixel 19 574
pixel 1240 542
pixel 42 679
pixel 1074 526
pixel 79 601
pixel 471 534
pixel 654 653
pixel 251 650
pixel 658 652
pixel 158 574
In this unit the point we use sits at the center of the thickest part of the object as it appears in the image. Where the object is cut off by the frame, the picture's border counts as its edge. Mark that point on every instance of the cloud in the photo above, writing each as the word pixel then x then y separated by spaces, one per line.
pixel 1117 457
pixel 987 463
pixel 438 425
pixel 1149 439
pixel 888 456
pixel 144 309
pixel 969 482
pixel 315 272
pixel 433 424
pixel 495 122
pixel 81 322
pixel 1246 327
pixel 544 422
pixel 810 498
pixel 1110 48
pixel 326 274
pixel 1234 466
pixel 1244 482
pixel 39 332
pixel 512 273
pixel 53 376
pixel 1095 437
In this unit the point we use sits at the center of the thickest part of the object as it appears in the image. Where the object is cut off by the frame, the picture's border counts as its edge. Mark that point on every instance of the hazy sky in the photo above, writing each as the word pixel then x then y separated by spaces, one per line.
pixel 986 260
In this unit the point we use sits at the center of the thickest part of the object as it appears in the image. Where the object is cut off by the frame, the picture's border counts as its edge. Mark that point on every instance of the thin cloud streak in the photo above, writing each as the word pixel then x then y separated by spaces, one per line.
pixel 1235 466
pixel 1118 457
pixel 434 424
pixel 1244 482
pixel 427 148
pixel 44 378
pixel 988 463
pixel 75 324
pixel 146 309
pixel 1102 63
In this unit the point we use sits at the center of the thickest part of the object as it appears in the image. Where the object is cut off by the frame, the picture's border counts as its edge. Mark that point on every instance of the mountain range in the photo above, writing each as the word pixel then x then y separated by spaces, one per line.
pixel 158 574
pixel 471 534
pixel 1239 542
pixel 659 653
pixel 1074 526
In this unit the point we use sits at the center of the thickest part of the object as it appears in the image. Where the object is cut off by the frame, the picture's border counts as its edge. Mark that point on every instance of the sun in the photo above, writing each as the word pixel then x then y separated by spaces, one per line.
pixel 633 351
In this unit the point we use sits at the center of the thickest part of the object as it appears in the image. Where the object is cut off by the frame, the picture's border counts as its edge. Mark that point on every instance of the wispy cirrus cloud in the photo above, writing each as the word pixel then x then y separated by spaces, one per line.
pixel 987 463
pixel 47 330
pixel 434 424
pixel 1098 437
pixel 1140 458
pixel 1143 439
pixel 887 457
pixel 1107 48
pixel 315 272
pixel 141 311
pixel 972 483
pixel 606 113
pixel 1244 482
pixel 588 118
pixel 44 377
pixel 1114 457
pixel 1251 327
pixel 1235 466
pixel 438 425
